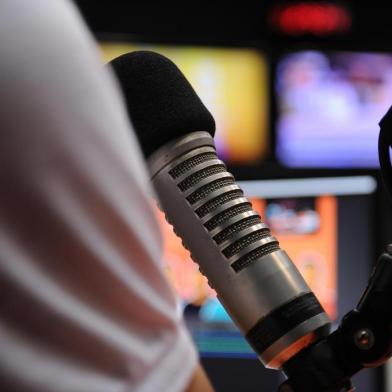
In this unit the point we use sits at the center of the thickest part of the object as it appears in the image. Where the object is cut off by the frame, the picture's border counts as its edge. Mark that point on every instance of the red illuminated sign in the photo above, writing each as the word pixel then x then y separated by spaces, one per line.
pixel 317 18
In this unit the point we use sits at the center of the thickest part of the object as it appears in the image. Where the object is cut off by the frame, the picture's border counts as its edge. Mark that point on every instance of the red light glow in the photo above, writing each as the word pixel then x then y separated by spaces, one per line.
pixel 317 18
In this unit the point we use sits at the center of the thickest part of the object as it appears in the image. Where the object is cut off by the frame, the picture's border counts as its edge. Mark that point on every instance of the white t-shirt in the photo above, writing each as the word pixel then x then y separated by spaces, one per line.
pixel 84 303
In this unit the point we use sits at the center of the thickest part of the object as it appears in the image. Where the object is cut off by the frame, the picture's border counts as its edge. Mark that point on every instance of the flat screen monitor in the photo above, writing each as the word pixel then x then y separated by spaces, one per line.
pixel 232 83
pixel 329 105
pixel 324 224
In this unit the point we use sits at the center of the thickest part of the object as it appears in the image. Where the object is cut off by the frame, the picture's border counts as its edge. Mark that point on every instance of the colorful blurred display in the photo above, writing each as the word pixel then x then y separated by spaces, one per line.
pixel 306 228
pixel 329 106
pixel 232 83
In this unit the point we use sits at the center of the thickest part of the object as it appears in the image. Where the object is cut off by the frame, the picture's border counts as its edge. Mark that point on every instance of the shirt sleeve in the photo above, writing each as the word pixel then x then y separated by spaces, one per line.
pixel 84 303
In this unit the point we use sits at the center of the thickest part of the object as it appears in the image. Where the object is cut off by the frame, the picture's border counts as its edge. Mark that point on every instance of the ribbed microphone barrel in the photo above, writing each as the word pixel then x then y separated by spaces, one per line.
pixel 255 280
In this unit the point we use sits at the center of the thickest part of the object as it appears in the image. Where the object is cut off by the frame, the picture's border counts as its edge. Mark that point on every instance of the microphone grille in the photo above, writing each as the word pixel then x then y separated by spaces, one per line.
pixel 193 179
pixel 254 255
pixel 227 214
pixel 241 225
pixel 203 191
pixel 190 163
pixel 220 205
pixel 214 203
pixel 237 246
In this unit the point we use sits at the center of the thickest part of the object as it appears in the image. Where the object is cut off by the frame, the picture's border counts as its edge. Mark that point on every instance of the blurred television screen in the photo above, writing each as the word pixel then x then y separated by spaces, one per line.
pixel 329 105
pixel 314 221
pixel 232 83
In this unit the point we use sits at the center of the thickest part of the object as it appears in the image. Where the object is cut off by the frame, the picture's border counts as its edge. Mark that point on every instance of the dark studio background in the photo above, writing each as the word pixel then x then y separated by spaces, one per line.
pixel 248 24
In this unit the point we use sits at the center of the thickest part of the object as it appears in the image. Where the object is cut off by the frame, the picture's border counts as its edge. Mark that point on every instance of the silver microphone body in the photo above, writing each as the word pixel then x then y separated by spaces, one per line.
pixel 255 280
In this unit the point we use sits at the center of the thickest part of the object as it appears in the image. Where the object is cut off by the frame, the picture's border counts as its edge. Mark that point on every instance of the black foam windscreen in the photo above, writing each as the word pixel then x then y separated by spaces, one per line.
pixel 161 102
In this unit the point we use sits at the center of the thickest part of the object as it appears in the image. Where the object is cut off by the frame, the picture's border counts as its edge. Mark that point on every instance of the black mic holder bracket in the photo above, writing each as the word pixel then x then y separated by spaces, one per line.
pixel 364 336
pixel 363 340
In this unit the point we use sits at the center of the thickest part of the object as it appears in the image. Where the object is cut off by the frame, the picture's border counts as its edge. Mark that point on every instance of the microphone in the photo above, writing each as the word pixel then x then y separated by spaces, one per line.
pixel 255 279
